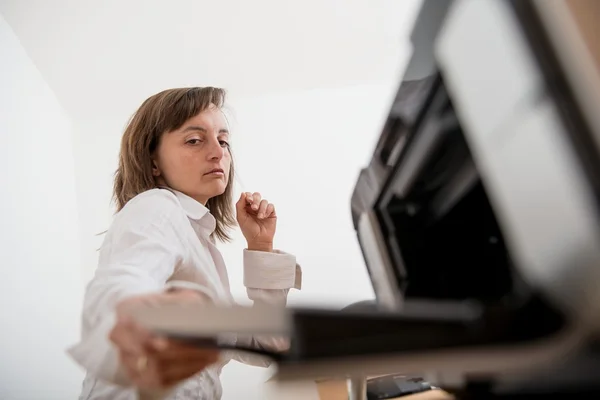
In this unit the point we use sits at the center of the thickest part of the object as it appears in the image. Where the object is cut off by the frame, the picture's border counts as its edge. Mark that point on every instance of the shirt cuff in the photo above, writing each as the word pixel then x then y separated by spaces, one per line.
pixel 98 356
pixel 275 270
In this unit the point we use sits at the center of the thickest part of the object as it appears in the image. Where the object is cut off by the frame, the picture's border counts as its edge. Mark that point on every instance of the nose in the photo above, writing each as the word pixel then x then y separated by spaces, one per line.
pixel 215 150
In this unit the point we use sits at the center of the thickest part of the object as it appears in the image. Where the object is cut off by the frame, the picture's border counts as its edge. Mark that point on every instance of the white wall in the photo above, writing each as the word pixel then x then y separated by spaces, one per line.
pixel 303 151
pixel 40 275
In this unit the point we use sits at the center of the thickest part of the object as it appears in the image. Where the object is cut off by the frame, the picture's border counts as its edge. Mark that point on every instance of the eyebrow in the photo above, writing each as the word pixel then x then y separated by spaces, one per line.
pixel 201 129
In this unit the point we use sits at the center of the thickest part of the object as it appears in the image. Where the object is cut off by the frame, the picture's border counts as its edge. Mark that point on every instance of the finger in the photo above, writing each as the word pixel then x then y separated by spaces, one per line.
pixel 241 201
pixel 162 372
pixel 180 371
pixel 241 206
pixel 270 211
pixel 177 352
pixel 247 203
pixel 256 198
pixel 262 208
pixel 151 377
pixel 129 337
pixel 130 362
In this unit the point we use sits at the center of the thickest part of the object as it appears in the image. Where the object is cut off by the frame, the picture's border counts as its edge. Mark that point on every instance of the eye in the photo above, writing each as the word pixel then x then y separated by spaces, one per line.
pixel 224 143
pixel 193 141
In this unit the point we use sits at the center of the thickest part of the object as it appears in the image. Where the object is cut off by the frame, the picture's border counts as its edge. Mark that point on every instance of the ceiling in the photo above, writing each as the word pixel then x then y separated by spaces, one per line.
pixel 104 57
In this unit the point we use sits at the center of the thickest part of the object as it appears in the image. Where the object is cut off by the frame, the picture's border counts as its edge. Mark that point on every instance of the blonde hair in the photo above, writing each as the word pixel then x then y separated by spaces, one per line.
pixel 161 113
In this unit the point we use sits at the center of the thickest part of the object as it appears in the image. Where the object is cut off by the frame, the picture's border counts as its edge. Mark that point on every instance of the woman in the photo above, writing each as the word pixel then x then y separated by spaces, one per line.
pixel 173 190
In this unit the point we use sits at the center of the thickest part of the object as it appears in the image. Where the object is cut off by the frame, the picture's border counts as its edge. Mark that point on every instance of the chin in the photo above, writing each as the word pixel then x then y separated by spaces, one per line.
pixel 217 190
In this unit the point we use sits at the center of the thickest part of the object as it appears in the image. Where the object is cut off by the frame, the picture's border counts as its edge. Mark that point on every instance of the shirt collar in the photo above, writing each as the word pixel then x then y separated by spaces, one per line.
pixel 196 211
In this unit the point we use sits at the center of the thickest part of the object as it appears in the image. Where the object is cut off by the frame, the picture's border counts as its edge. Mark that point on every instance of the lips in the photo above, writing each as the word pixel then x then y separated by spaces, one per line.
pixel 215 171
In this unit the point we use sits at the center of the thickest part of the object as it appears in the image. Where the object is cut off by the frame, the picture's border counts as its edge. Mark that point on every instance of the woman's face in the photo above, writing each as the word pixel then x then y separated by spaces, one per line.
pixel 195 159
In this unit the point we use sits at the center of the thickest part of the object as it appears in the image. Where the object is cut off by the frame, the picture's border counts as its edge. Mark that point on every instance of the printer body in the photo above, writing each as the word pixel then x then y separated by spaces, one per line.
pixel 479 213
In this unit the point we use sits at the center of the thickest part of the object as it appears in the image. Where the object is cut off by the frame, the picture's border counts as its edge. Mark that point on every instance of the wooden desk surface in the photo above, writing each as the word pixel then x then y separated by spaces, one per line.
pixel 338 390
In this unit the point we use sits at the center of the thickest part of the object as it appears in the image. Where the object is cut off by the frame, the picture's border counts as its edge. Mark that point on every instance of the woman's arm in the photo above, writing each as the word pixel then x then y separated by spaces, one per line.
pixel 268 277
pixel 140 252
pixel 268 274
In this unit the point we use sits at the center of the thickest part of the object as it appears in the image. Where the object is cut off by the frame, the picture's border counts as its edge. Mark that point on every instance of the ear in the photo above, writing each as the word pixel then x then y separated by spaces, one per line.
pixel 155 169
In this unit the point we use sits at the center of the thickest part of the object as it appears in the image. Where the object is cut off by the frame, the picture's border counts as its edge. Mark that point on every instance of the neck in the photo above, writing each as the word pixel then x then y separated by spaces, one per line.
pixel 199 199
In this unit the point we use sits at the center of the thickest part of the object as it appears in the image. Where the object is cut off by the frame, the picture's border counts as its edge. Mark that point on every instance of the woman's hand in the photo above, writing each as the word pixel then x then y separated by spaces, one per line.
pixel 152 362
pixel 257 220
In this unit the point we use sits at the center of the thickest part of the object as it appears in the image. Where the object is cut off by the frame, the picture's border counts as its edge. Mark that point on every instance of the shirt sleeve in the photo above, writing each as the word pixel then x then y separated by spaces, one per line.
pixel 140 252
pixel 268 277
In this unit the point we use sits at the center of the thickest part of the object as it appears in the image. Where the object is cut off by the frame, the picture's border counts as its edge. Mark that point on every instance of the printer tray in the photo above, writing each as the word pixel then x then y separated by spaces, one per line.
pixel 420 326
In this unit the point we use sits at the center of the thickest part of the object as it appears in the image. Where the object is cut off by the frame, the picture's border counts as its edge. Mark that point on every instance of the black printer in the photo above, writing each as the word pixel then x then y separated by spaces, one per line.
pixel 478 214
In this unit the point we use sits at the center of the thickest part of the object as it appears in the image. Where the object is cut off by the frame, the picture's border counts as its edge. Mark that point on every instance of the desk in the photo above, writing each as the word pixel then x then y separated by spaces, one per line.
pixel 338 390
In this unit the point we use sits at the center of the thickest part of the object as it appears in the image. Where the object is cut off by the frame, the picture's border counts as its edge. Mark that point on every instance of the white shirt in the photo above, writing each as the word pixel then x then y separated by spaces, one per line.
pixel 161 239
